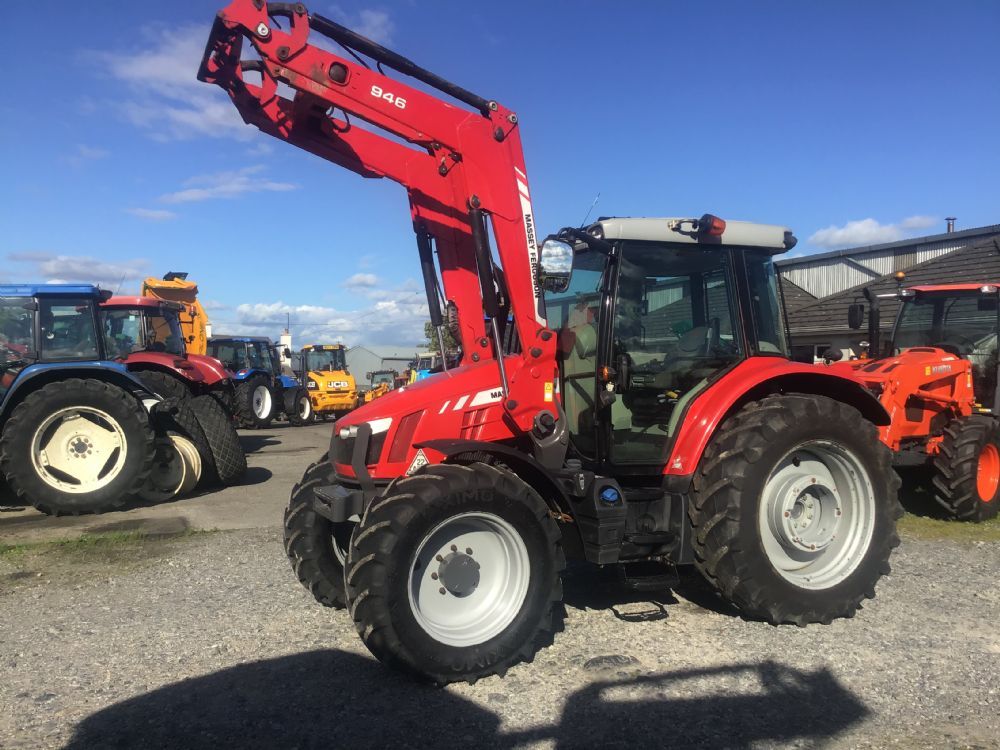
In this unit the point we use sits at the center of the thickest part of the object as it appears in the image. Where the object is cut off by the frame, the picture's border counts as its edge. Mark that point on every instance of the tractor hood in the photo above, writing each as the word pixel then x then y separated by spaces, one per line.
pixel 212 370
pixel 924 362
pixel 462 403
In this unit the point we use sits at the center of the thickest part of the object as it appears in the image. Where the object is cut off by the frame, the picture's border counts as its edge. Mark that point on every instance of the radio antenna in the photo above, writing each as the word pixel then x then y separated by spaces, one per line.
pixel 584 222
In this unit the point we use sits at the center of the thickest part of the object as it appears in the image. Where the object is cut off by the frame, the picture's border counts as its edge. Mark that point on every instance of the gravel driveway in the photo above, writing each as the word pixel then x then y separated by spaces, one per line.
pixel 208 641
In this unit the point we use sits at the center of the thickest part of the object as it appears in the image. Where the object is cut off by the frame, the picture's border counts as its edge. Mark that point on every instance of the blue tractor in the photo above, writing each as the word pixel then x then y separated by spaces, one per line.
pixel 262 390
pixel 76 430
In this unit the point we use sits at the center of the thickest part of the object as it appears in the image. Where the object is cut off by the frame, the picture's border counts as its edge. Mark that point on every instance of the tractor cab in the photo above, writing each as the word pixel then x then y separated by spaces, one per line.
pixel 653 311
pixel 960 319
pixel 143 324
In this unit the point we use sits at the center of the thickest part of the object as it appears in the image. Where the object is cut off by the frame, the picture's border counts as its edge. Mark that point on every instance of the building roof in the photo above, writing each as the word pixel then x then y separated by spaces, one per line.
pixel 34 290
pixel 853 252
pixel 794 297
pixel 977 263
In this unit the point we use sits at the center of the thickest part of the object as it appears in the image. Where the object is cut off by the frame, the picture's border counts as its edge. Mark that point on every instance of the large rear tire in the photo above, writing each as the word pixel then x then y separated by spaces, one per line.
pixel 255 402
pixel 178 415
pixel 454 573
pixel 316 546
pixel 229 462
pixel 967 469
pixel 794 510
pixel 164 385
pixel 77 446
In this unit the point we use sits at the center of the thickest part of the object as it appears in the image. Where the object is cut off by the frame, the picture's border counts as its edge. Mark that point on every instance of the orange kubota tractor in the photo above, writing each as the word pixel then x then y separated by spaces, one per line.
pixel 937 378
pixel 623 394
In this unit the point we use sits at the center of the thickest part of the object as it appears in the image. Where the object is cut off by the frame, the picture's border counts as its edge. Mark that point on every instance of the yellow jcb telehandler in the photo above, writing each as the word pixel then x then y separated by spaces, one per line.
pixel 322 368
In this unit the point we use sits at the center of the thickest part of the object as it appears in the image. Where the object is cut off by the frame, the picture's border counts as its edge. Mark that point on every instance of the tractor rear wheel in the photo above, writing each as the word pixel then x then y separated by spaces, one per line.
pixel 178 415
pixel 77 446
pixel 794 509
pixel 302 409
pixel 316 546
pixel 967 469
pixel 454 573
pixel 164 385
pixel 228 461
pixel 255 403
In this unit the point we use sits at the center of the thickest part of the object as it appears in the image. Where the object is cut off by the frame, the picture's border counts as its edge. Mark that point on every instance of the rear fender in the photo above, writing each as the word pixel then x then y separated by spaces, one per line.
pixel 158 361
pixel 751 381
pixel 38 376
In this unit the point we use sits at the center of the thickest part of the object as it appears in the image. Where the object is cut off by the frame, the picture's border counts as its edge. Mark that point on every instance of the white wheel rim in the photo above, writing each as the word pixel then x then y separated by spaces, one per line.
pixel 817 515
pixel 168 475
pixel 261 401
pixel 480 563
pixel 192 460
pixel 79 449
pixel 305 407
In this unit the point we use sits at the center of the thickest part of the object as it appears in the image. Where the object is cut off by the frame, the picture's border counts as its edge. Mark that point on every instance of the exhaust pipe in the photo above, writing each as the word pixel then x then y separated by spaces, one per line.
pixel 951 223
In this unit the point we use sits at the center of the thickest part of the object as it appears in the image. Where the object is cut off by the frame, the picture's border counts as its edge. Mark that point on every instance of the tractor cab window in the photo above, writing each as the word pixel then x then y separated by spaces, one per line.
pixel 326 360
pixel 163 334
pixel 674 329
pixel 16 331
pixel 574 314
pixel 68 330
pixel 259 356
pixel 123 332
pixel 767 323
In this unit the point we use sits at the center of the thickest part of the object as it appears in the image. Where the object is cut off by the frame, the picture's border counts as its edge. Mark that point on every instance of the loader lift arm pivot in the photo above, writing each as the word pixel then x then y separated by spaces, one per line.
pixel 455 163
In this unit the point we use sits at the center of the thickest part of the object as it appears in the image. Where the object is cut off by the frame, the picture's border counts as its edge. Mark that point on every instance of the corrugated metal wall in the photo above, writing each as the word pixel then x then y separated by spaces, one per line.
pixel 828 276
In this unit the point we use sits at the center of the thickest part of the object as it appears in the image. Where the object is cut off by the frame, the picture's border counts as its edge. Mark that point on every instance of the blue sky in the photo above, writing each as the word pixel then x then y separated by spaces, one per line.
pixel 851 122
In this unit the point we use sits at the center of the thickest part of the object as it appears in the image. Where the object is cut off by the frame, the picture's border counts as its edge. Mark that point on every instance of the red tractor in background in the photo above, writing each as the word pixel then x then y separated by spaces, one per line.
pixel 144 334
pixel 937 379
pixel 623 394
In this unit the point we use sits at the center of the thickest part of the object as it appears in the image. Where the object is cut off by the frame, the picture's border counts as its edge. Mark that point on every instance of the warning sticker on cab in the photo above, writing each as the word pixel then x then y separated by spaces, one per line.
pixel 548 391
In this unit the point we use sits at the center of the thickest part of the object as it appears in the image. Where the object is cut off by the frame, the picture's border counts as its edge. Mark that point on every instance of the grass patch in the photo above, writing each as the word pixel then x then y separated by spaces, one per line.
pixel 922 527
pixel 101 544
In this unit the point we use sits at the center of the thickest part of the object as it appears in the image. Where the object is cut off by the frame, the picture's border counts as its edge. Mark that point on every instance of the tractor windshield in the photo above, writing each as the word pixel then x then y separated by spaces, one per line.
pixel 163 333
pixel 16 331
pixel 383 377
pixel 963 323
pixel 325 360
pixel 136 330
pixel 259 356
pixel 68 329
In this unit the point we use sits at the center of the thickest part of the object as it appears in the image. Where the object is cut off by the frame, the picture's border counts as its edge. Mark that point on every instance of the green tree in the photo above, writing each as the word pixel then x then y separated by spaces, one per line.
pixel 432 338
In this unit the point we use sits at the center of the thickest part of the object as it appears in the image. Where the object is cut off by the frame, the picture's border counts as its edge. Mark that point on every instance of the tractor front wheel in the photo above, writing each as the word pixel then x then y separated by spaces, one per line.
pixel 255 402
pixel 454 573
pixel 316 546
pixel 967 469
pixel 794 509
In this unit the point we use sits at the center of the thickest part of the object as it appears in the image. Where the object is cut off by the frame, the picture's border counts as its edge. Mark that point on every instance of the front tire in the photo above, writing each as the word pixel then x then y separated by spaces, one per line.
pixel 454 573
pixel 77 446
pixel 302 409
pixel 316 546
pixel 164 385
pixel 255 402
pixel 228 461
pixel 794 510
pixel 967 469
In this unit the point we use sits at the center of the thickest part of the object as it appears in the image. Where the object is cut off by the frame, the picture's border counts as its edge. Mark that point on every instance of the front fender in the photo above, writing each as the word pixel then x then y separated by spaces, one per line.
pixel 37 376
pixel 749 381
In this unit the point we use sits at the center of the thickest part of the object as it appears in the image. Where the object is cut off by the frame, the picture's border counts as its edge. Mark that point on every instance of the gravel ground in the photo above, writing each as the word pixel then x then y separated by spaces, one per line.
pixel 208 641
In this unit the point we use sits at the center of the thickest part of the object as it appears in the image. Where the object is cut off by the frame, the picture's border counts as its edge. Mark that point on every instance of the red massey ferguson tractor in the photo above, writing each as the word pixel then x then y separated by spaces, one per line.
pixel 937 378
pixel 626 400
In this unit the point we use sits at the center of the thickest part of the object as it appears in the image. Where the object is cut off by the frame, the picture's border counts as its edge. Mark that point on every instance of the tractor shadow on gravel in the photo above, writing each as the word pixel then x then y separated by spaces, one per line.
pixel 330 698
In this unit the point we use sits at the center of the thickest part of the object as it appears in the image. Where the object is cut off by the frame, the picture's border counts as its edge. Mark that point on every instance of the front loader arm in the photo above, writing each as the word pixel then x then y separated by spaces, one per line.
pixel 449 159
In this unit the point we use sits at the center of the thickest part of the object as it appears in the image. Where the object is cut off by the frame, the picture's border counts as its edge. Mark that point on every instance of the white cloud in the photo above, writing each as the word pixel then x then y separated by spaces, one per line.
pixel 84 154
pixel 377 25
pixel 225 185
pixel 152 214
pixel 164 97
pixel 868 232
pixel 362 280
pixel 85 269
pixel 395 318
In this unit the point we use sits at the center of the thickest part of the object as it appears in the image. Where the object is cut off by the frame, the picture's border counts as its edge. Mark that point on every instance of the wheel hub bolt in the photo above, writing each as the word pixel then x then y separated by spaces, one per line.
pixel 434 576
pixel 442 590
pixel 454 548
pixel 468 550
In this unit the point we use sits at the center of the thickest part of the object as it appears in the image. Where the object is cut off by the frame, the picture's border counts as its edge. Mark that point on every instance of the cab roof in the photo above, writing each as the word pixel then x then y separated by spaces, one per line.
pixel 152 302
pixel 931 288
pixel 775 238
pixel 241 339
pixel 42 290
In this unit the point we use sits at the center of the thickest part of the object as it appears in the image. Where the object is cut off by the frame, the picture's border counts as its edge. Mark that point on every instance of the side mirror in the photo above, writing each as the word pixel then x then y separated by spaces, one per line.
pixel 856 316
pixel 555 265
pixel 368 376
pixel 288 353
pixel 833 355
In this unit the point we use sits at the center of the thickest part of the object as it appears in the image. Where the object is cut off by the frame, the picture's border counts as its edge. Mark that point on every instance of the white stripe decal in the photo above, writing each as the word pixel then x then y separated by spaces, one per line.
pixel 490 396
pixel 520 173
pixel 444 408
pixel 460 403
pixel 524 189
